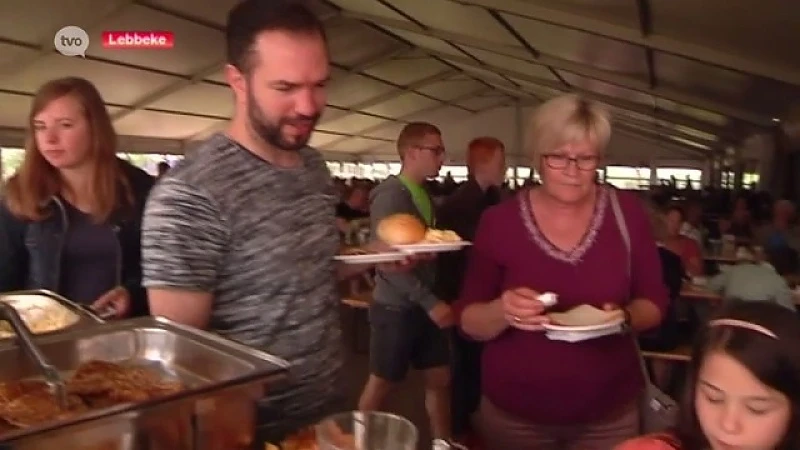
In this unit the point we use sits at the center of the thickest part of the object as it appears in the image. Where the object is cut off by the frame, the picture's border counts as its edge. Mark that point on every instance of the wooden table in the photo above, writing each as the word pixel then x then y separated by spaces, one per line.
pixel 682 353
pixel 693 292
pixel 699 293
pixel 719 259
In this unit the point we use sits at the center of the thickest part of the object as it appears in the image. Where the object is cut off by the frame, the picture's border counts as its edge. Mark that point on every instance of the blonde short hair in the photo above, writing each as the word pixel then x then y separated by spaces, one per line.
pixel 566 119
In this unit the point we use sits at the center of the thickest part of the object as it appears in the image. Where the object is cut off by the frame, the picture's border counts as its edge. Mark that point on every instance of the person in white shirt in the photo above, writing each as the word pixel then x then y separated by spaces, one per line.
pixel 753 279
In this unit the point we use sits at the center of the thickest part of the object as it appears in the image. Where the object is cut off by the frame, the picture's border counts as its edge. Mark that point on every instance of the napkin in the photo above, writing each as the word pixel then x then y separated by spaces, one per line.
pixel 548 299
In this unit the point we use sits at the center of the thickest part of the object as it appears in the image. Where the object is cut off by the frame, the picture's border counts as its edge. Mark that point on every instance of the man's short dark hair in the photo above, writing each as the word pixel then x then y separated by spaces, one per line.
pixel 252 17
pixel 412 134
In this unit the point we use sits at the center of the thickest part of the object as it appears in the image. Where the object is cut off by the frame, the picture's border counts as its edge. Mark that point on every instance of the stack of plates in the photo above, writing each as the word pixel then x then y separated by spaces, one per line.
pixel 433 247
pixel 583 333
pixel 401 252
pixel 582 323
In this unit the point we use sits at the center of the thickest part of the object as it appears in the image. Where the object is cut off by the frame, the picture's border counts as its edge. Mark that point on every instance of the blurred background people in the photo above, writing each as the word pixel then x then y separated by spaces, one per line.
pixel 753 278
pixel 688 249
pixel 461 211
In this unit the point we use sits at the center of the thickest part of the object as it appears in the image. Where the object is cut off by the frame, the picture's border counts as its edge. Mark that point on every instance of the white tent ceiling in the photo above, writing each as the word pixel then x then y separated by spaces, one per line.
pixel 699 74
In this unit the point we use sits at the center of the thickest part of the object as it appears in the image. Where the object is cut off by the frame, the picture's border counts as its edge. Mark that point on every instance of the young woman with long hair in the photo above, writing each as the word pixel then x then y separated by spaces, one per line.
pixel 70 218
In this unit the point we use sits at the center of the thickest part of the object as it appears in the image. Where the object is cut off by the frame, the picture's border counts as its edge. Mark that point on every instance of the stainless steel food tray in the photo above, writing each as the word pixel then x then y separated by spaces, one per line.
pixel 83 316
pixel 224 379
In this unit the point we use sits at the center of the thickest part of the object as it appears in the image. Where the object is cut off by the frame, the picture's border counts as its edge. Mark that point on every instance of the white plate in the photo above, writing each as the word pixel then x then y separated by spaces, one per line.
pixel 433 247
pixel 586 328
pixel 570 336
pixel 371 258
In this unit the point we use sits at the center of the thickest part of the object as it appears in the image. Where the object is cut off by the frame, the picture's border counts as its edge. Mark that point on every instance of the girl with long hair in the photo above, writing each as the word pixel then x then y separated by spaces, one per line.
pixel 743 386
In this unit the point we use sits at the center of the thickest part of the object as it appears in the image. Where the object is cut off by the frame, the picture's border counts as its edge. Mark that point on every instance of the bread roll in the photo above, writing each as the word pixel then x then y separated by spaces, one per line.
pixel 582 316
pixel 401 229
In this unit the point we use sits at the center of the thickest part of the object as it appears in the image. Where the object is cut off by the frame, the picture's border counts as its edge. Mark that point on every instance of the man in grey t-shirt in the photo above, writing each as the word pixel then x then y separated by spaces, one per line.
pixel 240 237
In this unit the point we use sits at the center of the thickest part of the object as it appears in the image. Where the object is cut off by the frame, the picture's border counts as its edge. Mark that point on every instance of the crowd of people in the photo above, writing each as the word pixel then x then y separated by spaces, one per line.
pixel 544 238
pixel 240 238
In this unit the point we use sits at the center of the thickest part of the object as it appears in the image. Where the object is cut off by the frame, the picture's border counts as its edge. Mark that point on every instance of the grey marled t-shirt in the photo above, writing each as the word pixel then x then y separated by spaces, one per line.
pixel 262 239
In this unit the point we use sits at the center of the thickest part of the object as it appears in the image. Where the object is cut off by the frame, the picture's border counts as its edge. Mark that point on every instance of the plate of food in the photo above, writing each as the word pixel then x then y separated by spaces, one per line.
pixel 40 313
pixel 408 234
pixel 357 255
pixel 584 318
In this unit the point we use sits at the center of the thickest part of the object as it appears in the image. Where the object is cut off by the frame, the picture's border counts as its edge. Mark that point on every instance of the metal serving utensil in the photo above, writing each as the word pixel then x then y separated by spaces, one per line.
pixel 25 337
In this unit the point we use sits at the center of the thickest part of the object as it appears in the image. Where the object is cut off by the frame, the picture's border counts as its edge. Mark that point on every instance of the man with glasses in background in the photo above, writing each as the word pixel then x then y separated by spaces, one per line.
pixel 408 322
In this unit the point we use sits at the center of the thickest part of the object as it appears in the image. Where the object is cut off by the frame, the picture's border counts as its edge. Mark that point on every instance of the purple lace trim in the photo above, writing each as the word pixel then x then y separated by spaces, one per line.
pixel 574 255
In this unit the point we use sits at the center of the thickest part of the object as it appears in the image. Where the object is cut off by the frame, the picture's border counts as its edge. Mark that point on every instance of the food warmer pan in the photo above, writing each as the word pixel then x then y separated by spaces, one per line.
pixel 216 410
pixel 46 312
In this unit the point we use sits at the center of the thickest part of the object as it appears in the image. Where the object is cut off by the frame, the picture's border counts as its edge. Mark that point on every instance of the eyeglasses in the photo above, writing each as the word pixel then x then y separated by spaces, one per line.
pixel 560 162
pixel 437 150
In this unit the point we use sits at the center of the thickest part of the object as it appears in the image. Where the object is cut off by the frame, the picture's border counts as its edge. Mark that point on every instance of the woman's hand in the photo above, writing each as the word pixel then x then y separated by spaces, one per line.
pixel 523 310
pixel 117 302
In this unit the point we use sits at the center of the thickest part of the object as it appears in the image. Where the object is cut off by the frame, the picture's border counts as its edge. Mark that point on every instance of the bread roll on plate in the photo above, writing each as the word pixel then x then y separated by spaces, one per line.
pixel 583 316
pixel 401 229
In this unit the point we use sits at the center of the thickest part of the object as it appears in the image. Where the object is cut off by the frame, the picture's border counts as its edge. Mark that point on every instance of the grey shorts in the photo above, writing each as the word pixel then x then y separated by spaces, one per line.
pixel 402 338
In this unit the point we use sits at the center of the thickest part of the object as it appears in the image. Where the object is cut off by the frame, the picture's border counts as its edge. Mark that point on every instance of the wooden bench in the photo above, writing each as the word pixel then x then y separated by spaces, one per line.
pixel 674 364
pixel 355 302
pixel 682 353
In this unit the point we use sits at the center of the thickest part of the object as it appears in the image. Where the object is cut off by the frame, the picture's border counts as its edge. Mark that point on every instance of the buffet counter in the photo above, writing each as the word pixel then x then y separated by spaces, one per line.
pixel 145 383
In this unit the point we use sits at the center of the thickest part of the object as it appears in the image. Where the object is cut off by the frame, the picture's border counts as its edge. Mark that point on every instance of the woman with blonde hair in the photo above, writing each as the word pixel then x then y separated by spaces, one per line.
pixel 70 217
pixel 563 237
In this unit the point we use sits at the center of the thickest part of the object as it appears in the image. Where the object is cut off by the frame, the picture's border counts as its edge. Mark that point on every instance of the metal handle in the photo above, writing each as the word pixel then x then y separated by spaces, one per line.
pixel 50 373
pixel 106 313
pixel 102 314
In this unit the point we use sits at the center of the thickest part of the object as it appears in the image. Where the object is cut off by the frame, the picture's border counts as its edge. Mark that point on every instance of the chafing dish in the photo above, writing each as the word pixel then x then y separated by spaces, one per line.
pixel 216 411
pixel 32 303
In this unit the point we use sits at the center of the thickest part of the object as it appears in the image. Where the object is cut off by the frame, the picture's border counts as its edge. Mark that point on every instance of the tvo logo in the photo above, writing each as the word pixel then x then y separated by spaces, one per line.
pixel 71 41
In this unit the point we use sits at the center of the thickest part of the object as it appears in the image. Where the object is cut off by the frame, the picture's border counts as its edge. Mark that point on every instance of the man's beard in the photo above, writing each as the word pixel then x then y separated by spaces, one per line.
pixel 270 132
